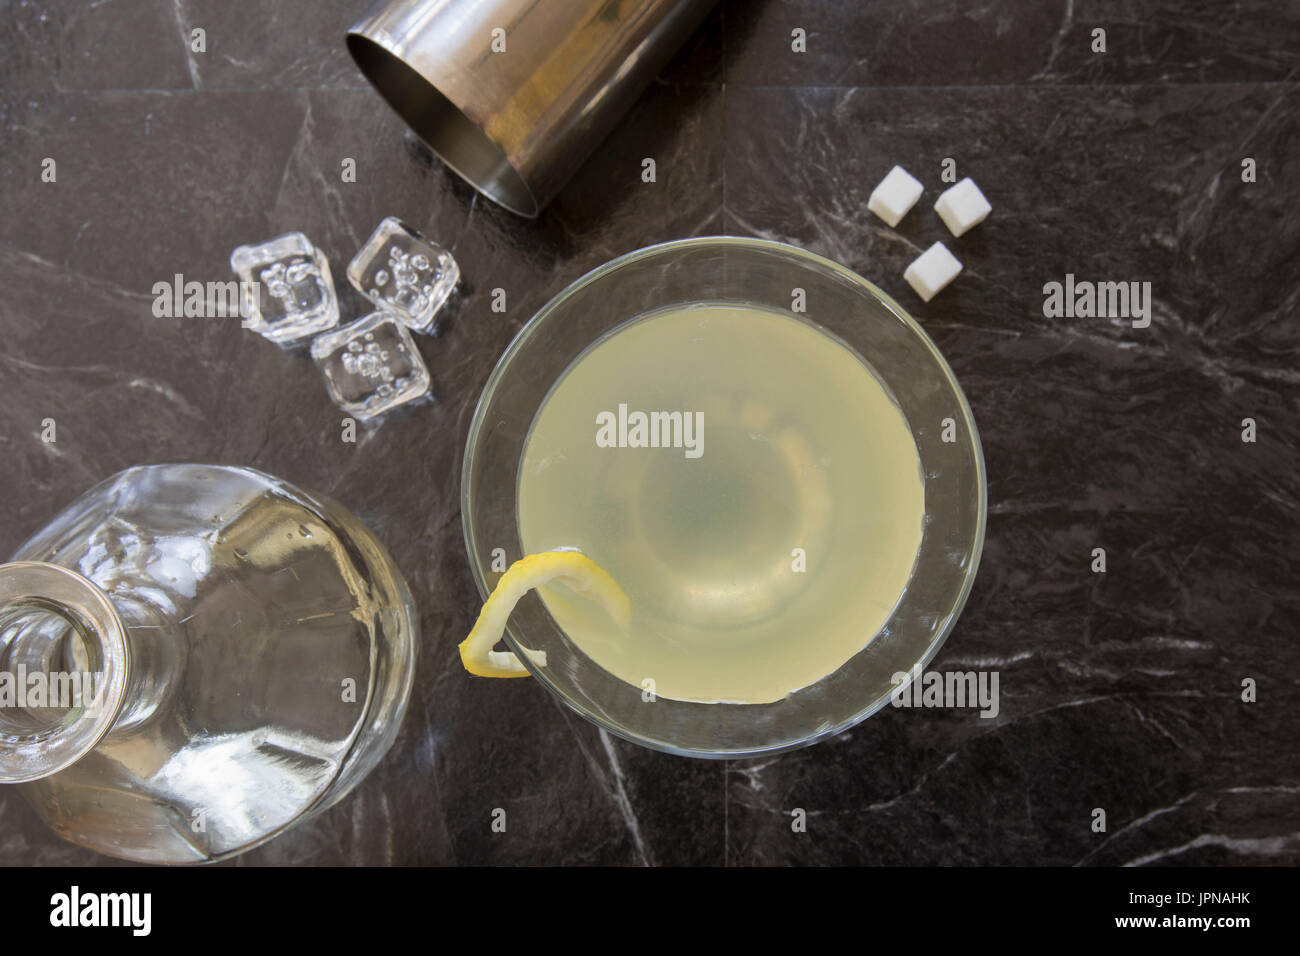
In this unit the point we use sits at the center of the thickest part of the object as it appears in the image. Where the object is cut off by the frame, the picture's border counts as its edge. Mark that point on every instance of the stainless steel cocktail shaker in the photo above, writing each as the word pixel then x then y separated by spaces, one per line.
pixel 514 94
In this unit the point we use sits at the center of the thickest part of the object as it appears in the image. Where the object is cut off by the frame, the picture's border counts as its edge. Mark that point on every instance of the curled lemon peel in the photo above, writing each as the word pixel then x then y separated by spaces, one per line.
pixel 572 568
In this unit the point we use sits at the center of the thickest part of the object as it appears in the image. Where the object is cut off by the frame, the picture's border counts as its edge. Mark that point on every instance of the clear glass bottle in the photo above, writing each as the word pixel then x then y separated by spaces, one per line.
pixel 217 653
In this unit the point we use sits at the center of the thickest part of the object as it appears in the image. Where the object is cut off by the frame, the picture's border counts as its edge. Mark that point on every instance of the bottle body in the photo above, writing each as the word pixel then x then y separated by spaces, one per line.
pixel 272 649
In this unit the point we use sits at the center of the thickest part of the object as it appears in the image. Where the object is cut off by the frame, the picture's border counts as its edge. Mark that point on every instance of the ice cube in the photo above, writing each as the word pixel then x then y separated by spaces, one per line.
pixel 371 365
pixel 288 292
pixel 402 272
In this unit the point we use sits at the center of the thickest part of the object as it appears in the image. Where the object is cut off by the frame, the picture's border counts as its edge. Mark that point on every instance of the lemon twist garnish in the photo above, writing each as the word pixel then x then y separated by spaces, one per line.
pixel 533 571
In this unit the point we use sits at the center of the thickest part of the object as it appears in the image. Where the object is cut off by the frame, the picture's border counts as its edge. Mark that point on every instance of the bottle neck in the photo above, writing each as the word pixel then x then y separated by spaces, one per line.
pixel 64 668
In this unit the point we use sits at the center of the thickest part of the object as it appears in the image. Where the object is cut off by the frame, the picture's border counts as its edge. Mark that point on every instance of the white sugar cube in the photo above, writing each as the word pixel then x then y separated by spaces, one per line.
pixel 962 207
pixel 896 194
pixel 932 270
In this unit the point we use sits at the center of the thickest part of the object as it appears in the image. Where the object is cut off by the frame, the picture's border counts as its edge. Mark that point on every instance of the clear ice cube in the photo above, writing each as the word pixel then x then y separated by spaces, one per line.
pixel 289 294
pixel 371 366
pixel 401 271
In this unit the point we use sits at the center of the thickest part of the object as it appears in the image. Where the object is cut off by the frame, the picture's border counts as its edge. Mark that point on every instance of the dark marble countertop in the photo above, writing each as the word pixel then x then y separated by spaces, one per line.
pixel 1120 690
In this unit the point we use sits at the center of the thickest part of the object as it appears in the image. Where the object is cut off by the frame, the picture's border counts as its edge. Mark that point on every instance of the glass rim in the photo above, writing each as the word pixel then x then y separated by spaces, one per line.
pixel 75 597
pixel 808 259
